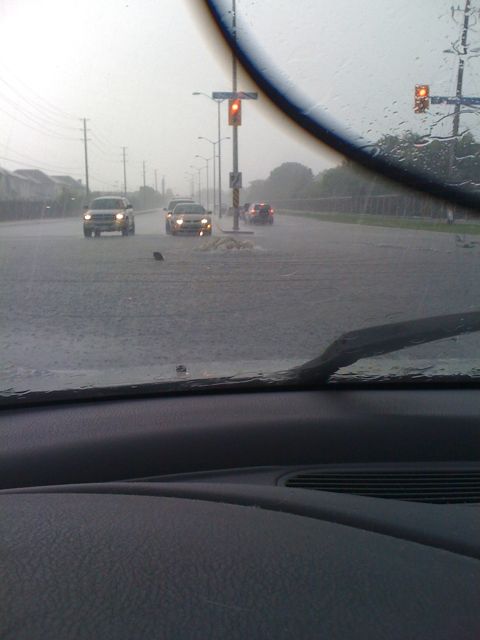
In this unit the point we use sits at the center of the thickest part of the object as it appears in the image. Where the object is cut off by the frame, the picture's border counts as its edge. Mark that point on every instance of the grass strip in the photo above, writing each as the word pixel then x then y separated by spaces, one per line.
pixel 396 222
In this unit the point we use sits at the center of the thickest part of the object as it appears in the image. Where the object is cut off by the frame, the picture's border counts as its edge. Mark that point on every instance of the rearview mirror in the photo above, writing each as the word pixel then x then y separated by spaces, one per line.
pixel 85 207
pixel 129 206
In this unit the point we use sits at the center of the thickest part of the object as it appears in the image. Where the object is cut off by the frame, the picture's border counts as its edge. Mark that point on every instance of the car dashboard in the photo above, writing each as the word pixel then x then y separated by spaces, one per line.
pixel 332 513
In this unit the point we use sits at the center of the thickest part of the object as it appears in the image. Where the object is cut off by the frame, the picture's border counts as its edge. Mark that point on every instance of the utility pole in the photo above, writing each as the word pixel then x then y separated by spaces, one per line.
pixel 156 181
pixel 144 186
pixel 235 191
pixel 85 141
pixel 458 93
pixel 124 171
pixel 163 188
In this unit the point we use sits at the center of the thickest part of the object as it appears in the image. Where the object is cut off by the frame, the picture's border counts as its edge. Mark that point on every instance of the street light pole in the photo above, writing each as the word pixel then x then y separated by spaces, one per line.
pixel 192 187
pixel 214 144
pixel 214 185
pixel 207 160
pixel 219 102
pixel 192 166
pixel 124 172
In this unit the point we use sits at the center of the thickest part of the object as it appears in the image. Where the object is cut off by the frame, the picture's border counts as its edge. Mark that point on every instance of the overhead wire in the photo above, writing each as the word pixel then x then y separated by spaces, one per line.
pixel 47 105
pixel 44 131
pixel 50 119
pixel 39 166
pixel 36 119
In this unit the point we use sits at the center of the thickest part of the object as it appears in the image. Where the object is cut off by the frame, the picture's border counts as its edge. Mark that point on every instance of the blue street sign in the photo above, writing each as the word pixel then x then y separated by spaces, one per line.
pixel 447 100
pixel 234 95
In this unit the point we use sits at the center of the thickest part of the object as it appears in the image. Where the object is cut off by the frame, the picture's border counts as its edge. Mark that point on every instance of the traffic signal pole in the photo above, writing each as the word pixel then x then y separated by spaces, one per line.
pixel 235 190
pixel 219 161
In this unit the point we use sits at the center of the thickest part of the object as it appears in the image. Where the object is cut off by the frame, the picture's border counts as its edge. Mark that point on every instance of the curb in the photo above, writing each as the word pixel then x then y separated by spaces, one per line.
pixel 232 231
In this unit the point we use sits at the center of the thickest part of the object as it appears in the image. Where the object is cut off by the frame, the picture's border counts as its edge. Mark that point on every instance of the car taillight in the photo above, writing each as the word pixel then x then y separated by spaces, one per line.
pixel 272 210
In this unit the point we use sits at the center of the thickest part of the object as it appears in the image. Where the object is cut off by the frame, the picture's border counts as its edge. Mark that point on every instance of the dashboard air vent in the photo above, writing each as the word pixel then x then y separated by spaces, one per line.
pixel 441 486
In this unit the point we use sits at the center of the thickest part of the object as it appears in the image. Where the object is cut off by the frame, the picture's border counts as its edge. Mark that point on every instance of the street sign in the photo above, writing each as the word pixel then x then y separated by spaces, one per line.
pixel 235 180
pixel 247 95
pixel 234 95
pixel 447 100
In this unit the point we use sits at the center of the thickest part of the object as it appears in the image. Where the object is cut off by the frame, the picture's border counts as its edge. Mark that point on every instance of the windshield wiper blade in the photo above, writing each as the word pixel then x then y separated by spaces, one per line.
pixel 375 341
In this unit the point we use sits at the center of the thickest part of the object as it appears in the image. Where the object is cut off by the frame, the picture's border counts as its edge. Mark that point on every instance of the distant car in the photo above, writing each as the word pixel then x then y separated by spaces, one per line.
pixel 169 210
pixel 191 218
pixel 259 212
pixel 108 213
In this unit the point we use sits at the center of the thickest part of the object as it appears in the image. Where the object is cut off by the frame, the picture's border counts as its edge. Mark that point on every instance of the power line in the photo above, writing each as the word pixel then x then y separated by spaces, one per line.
pixel 51 120
pixel 47 105
pixel 102 151
pixel 37 165
pixel 45 132
pixel 37 120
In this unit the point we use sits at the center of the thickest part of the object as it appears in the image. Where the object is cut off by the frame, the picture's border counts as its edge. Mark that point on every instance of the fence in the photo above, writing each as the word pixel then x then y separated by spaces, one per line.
pixel 31 210
pixel 407 206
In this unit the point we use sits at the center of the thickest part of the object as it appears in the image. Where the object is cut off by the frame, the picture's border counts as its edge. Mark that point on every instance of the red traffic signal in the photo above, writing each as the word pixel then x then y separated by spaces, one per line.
pixel 422 98
pixel 235 112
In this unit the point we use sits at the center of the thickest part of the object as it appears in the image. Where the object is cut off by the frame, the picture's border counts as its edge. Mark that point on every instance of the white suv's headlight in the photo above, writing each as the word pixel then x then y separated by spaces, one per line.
pixel 87 216
pixel 204 220
pixel 179 221
pixel 120 216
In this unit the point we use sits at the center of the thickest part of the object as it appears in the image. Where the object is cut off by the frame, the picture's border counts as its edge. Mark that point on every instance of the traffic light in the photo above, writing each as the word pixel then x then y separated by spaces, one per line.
pixel 422 98
pixel 235 112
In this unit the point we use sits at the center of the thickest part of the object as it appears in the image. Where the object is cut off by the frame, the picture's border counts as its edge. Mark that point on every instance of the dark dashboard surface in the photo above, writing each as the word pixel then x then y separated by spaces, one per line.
pixel 111 441
pixel 171 518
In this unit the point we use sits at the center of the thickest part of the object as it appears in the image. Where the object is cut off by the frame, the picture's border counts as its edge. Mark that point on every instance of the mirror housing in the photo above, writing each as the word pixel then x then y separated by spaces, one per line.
pixel 129 206
pixel 85 207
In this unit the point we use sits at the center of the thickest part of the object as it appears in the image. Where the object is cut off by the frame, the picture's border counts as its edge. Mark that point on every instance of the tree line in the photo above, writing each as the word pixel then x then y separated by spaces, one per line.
pixel 454 161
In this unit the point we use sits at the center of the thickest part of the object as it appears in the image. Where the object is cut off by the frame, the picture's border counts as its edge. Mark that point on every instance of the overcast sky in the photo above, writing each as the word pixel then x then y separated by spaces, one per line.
pixel 130 67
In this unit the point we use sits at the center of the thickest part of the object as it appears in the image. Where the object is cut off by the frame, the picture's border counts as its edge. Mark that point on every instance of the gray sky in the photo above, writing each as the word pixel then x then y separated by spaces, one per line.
pixel 130 66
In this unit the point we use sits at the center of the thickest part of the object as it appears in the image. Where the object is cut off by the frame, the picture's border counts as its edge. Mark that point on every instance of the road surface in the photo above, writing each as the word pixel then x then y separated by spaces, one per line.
pixel 71 303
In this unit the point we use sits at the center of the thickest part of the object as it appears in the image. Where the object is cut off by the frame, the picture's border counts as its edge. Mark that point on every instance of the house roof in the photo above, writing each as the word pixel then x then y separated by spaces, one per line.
pixel 67 180
pixel 34 174
pixel 6 172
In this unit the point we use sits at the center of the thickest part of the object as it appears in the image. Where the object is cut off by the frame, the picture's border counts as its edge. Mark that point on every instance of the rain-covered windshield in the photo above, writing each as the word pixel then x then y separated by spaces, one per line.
pixel 94 103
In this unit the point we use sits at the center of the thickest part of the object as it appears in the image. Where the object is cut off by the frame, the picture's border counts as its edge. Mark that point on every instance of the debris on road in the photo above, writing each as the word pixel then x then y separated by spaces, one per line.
pixel 158 256
pixel 462 242
pixel 227 244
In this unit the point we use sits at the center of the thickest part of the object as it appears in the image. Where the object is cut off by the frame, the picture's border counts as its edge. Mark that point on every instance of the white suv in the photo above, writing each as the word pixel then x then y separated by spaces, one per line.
pixel 108 213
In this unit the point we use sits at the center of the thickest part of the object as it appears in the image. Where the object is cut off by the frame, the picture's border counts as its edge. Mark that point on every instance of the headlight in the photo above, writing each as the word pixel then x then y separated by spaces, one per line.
pixel 120 216
pixel 179 221
pixel 87 216
pixel 204 221
pixel 169 215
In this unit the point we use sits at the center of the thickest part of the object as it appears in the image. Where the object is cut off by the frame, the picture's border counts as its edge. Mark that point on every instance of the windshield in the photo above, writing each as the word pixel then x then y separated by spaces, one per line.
pixel 174 203
pixel 107 203
pixel 189 208
pixel 255 290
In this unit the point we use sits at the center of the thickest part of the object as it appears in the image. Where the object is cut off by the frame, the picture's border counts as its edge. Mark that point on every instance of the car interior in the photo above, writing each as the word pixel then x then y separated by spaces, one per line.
pixel 300 509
